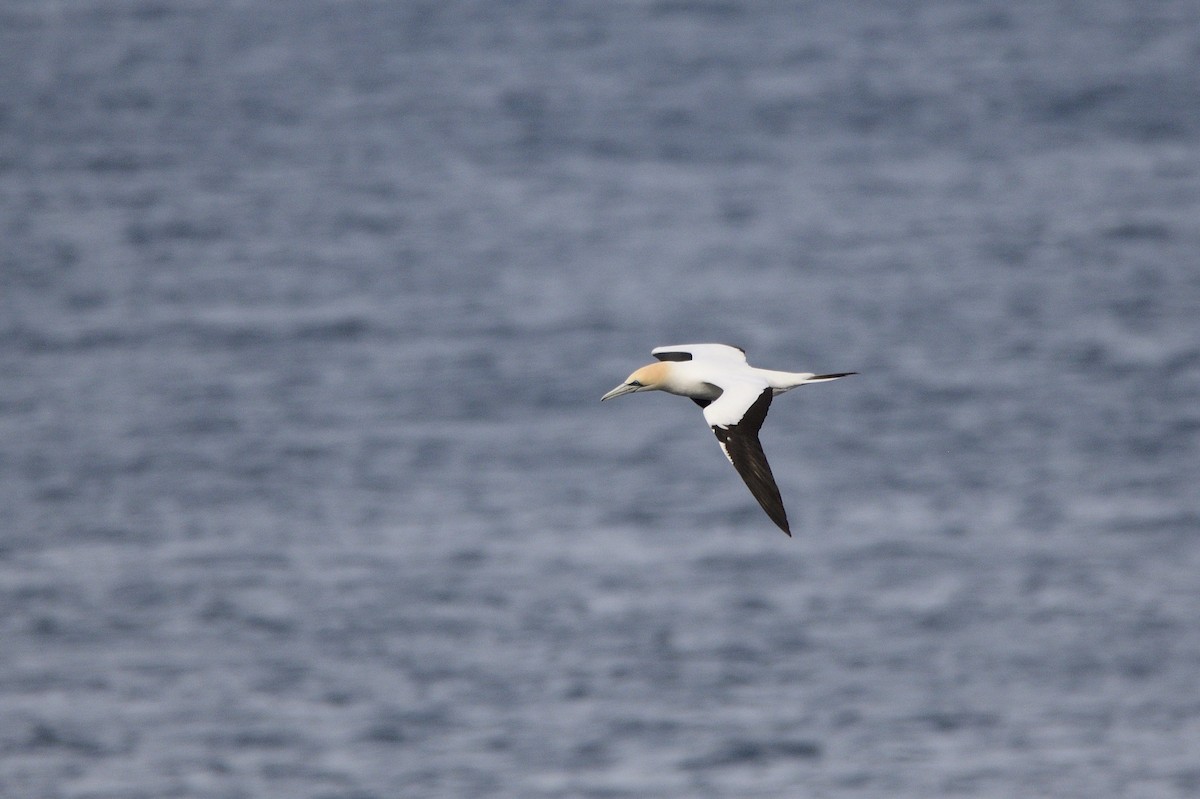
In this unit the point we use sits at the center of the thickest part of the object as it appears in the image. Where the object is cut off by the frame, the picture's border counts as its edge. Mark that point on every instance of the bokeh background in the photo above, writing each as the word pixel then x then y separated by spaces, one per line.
pixel 305 310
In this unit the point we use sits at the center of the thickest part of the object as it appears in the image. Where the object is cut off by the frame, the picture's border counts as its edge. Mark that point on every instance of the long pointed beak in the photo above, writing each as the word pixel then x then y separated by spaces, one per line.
pixel 624 388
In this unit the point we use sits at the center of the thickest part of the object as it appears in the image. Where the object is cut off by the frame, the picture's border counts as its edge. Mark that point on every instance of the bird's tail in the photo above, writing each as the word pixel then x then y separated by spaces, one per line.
pixel 786 381
pixel 826 378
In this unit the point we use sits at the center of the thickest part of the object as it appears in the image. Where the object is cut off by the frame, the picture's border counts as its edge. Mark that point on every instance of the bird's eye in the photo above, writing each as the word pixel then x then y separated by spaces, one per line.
pixel 635 383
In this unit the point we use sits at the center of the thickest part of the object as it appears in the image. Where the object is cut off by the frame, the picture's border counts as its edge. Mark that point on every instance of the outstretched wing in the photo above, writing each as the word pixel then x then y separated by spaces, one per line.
pixel 736 417
pixel 700 352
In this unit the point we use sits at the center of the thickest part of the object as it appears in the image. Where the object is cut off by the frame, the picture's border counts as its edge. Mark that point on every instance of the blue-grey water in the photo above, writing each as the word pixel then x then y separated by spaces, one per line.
pixel 305 310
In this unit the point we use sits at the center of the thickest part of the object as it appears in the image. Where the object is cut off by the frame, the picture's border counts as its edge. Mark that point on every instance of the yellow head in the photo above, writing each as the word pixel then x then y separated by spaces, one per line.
pixel 649 378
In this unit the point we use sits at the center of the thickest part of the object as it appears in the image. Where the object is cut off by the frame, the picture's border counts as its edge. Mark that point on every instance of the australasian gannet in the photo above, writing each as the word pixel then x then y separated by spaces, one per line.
pixel 735 397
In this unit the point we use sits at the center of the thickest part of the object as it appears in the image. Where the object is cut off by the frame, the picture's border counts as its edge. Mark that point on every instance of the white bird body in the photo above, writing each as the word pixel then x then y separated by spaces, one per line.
pixel 735 397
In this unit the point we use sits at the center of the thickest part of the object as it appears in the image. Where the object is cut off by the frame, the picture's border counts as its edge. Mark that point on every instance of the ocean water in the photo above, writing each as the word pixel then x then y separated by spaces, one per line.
pixel 305 310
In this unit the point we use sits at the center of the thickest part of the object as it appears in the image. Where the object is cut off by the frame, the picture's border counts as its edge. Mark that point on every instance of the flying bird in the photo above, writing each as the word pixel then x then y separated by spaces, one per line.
pixel 735 397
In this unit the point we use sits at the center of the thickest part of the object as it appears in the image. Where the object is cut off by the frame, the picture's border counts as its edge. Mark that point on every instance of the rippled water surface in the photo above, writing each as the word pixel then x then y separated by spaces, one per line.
pixel 305 490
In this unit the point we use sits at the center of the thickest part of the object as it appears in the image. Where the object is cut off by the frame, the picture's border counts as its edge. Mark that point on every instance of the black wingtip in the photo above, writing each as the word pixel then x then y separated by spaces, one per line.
pixel 835 376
